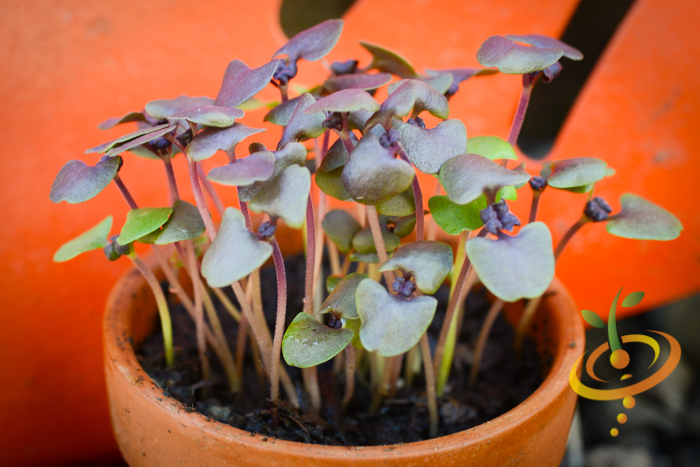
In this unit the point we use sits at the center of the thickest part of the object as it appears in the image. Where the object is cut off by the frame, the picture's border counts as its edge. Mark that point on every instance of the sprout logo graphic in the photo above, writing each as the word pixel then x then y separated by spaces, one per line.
pixel 620 359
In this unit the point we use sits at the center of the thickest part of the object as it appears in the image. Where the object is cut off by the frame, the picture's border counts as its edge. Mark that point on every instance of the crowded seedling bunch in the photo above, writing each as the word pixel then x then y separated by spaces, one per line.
pixel 373 312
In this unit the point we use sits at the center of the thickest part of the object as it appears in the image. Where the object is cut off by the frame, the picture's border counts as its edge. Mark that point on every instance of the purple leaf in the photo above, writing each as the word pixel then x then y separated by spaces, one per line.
pixel 373 174
pixel 468 176
pixel 291 154
pixel 104 147
pixel 77 182
pixel 574 172
pixel 130 117
pixel 363 242
pixel 363 81
pixel 427 97
pixel 209 115
pixel 459 75
pixel 427 261
pixel 545 42
pixel 211 140
pixel 282 113
pixel 337 155
pixel 342 300
pixel 240 82
pixel 313 43
pixel 185 223
pixel 303 126
pixel 285 196
pixel 515 267
pixel 516 59
pixel 643 220
pixel 147 138
pixel 390 62
pixel 162 108
pixel 257 167
pixel 428 149
pixel 347 100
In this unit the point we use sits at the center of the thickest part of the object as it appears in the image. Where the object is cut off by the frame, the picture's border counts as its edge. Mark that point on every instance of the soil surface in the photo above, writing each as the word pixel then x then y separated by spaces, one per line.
pixel 503 383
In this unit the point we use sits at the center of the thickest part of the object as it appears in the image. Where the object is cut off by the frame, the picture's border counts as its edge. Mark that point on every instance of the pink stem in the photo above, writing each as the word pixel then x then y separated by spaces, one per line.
pixel 125 193
pixel 209 188
pixel 418 195
pixel 199 199
pixel 279 323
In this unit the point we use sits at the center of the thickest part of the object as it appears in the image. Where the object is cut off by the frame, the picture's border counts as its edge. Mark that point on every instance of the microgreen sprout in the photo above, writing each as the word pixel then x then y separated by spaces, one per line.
pixel 377 305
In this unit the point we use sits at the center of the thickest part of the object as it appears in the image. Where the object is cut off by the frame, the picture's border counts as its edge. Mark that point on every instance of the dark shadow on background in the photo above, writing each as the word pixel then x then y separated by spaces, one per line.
pixel 297 15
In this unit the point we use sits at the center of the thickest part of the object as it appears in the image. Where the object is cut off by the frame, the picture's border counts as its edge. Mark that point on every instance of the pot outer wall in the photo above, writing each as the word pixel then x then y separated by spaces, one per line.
pixel 154 430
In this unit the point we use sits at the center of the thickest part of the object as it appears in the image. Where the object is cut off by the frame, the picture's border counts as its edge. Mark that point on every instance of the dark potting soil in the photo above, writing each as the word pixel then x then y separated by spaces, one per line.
pixel 504 381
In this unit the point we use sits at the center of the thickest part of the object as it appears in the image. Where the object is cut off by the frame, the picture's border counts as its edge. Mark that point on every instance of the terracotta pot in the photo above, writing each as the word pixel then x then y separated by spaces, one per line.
pixel 154 430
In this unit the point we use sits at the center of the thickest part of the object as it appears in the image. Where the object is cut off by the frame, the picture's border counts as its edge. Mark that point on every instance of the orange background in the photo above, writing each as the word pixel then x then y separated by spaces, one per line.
pixel 67 65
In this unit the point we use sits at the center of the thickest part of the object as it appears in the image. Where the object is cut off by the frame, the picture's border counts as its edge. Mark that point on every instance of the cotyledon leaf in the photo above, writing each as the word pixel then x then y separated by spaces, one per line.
pixel 428 149
pixel 516 59
pixel 342 300
pixel 140 222
pixel 308 343
pixel 93 239
pixel 429 262
pixel 341 227
pixel 257 167
pixel 285 196
pixel 77 182
pixel 643 220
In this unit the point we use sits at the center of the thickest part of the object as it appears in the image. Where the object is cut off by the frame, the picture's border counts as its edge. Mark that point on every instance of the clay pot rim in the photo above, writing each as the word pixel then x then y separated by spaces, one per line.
pixel 569 348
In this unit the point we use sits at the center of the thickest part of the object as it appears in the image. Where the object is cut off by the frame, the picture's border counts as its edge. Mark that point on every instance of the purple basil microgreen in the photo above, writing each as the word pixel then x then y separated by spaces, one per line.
pixel 282 113
pixel 331 183
pixel 459 75
pixel 162 108
pixel 234 240
pixel 337 155
pixel 104 147
pixel 403 204
pixel 303 126
pixel 341 300
pixel 515 267
pixel 185 223
pixel 257 167
pixel 285 196
pixel 209 115
pixel 426 261
pixel 347 100
pixel 373 174
pixel 314 43
pixel 363 242
pixel 141 140
pixel 389 62
pixel 575 172
pixel 341 227
pixel 391 324
pixel 128 118
pixel 211 140
pixel 597 209
pixel 241 82
pixel 516 59
pixel 344 68
pixel 291 154
pixel 428 149
pixel 78 182
pixel 141 222
pixel 364 81
pixel 491 147
pixel 427 97
pixel 307 342
pixel 93 239
pixel 403 226
pixel 643 220
pixel 537 40
pixel 468 176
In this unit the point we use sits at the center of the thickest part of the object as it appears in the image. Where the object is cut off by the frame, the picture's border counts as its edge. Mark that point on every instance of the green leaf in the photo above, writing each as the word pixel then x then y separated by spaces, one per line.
pixel 574 173
pixel 633 299
pixel 515 267
pixel 291 154
pixel 347 100
pixel 308 343
pixel 331 183
pixel 468 176
pixel 364 257
pixel 257 167
pixel 455 218
pixel 162 108
pixel 592 319
pixel 342 299
pixel 332 282
pixel 391 325
pixel 140 222
pixel 314 43
pixel 516 59
pixel 373 174
pixel 491 147
pixel 401 205
pixel 643 220
pixel 77 182
pixel 390 62
pixel 185 223
pixel 211 140
pixel 428 149
pixel 302 126
pixel 363 242
pixel 235 252
pixel 286 196
pixel 337 155
pixel 427 261
pixel 427 98
pixel 404 226
pixel 341 227
pixel 93 239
